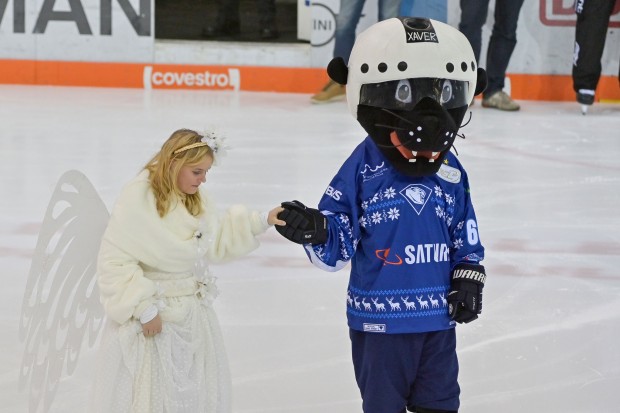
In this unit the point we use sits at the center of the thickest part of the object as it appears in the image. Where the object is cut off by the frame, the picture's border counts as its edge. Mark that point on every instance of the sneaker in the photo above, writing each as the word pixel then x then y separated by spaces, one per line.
pixel 330 93
pixel 500 100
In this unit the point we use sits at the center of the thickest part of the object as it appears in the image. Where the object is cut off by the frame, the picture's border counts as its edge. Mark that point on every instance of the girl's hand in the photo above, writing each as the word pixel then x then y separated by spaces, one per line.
pixel 153 327
pixel 272 218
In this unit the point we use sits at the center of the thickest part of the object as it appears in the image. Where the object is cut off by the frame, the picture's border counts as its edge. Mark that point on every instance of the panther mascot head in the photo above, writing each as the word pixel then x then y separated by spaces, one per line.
pixel 409 84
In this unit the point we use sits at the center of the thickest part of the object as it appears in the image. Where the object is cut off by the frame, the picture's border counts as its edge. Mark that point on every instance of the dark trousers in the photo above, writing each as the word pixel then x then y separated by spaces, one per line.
pixel 397 371
pixel 590 33
pixel 503 37
pixel 228 12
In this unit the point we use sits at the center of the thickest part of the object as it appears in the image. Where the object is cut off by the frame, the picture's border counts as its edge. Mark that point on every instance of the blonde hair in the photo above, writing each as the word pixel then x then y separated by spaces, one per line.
pixel 164 170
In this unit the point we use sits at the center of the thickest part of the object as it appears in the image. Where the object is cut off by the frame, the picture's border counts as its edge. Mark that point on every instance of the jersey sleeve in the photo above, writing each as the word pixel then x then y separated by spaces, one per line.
pixel 465 237
pixel 340 204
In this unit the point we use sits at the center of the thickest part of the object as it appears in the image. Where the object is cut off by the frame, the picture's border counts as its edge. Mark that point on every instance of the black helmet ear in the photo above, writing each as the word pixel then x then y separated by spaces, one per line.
pixel 338 70
pixel 481 82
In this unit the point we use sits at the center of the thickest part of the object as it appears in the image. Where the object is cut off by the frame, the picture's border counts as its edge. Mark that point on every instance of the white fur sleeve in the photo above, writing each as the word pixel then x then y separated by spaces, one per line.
pixel 236 233
pixel 124 290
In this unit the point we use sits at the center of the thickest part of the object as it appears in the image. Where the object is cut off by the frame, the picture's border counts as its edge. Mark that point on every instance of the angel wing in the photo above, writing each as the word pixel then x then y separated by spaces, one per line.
pixel 60 307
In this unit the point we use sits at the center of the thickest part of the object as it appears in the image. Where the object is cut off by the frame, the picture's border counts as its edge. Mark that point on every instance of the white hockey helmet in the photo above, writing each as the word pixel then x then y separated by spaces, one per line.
pixel 408 48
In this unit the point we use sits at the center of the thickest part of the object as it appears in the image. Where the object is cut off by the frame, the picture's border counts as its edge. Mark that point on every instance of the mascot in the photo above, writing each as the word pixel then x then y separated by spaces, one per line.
pixel 399 209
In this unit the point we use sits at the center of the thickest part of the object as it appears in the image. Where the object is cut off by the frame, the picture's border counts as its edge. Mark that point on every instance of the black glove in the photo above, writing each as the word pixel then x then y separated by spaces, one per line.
pixel 303 225
pixel 465 296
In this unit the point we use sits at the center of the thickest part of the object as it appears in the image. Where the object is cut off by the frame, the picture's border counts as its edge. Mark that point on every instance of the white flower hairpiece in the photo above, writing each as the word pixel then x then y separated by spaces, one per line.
pixel 217 144
pixel 213 141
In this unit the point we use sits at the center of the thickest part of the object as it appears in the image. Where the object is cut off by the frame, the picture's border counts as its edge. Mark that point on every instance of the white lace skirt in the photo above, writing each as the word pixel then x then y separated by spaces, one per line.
pixel 183 369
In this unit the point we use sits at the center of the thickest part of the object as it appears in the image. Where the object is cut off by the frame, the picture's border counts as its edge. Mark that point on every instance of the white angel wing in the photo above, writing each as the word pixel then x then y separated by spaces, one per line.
pixel 61 308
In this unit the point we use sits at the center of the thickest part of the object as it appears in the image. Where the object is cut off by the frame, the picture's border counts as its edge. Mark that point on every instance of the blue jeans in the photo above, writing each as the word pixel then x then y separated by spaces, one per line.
pixel 348 18
pixel 503 37
pixel 431 9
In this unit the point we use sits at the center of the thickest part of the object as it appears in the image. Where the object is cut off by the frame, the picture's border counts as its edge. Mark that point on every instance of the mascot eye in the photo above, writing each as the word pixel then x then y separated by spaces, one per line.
pixel 446 91
pixel 403 91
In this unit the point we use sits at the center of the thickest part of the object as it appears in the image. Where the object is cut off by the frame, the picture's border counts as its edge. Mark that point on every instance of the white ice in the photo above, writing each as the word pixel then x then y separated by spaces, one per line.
pixel 545 182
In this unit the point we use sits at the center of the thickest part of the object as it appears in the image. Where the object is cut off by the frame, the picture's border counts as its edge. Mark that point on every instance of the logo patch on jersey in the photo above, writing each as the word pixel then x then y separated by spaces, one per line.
pixel 384 255
pixel 370 172
pixel 450 174
pixel 417 195
pixel 374 328
pixel 334 193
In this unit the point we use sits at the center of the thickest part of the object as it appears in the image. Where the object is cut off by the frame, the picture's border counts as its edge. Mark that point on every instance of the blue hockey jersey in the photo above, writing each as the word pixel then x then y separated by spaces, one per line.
pixel 403 235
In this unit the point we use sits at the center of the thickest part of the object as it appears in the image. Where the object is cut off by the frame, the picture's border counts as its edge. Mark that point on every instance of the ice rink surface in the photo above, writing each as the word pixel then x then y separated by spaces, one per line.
pixel 545 182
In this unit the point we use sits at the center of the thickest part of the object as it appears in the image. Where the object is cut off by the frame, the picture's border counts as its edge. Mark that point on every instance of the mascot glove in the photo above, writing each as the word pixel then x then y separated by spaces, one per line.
pixel 465 296
pixel 303 225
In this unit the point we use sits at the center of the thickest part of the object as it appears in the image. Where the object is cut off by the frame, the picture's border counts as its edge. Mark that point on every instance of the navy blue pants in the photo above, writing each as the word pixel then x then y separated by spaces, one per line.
pixel 396 371
pixel 503 37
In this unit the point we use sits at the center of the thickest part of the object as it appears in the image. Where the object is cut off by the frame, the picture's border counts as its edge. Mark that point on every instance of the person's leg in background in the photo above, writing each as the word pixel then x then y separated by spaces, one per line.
pixel 267 19
pixel 473 16
pixel 227 21
pixel 590 34
pixel 501 45
pixel 346 24
pixel 431 9
pixel 388 9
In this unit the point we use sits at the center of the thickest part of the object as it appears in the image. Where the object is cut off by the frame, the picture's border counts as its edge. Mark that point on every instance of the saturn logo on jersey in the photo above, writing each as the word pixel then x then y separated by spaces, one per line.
pixel 416 254
pixel 417 195
pixel 383 256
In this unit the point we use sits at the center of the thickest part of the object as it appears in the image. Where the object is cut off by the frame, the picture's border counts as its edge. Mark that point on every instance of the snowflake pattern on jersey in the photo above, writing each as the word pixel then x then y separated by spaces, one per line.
pixel 381 208
pixel 384 208
pixel 445 207
pixel 457 235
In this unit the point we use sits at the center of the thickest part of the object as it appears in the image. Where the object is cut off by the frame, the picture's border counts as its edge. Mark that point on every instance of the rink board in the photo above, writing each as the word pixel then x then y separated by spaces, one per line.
pixel 245 78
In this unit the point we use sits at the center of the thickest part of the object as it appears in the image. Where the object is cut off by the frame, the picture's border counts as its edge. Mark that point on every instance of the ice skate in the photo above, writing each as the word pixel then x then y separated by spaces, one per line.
pixel 586 98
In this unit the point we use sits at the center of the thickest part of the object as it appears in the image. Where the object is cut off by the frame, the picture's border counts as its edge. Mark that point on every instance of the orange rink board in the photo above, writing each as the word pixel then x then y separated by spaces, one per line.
pixel 246 78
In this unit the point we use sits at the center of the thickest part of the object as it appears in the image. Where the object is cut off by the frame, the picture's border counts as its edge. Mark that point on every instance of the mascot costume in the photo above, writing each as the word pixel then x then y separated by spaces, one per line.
pixel 399 210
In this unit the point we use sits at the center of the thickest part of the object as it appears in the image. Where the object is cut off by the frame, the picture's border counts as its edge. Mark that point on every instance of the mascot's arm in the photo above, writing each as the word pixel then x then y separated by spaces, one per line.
pixel 467 276
pixel 339 248
pixel 125 292
pixel 330 233
pixel 327 237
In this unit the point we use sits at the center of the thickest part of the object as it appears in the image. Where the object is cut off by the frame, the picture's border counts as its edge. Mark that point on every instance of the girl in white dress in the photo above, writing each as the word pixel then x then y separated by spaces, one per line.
pixel 162 350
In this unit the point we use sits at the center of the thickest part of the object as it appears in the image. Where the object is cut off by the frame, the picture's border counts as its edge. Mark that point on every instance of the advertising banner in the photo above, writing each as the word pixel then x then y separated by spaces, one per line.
pixel 111 43
pixel 77 30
